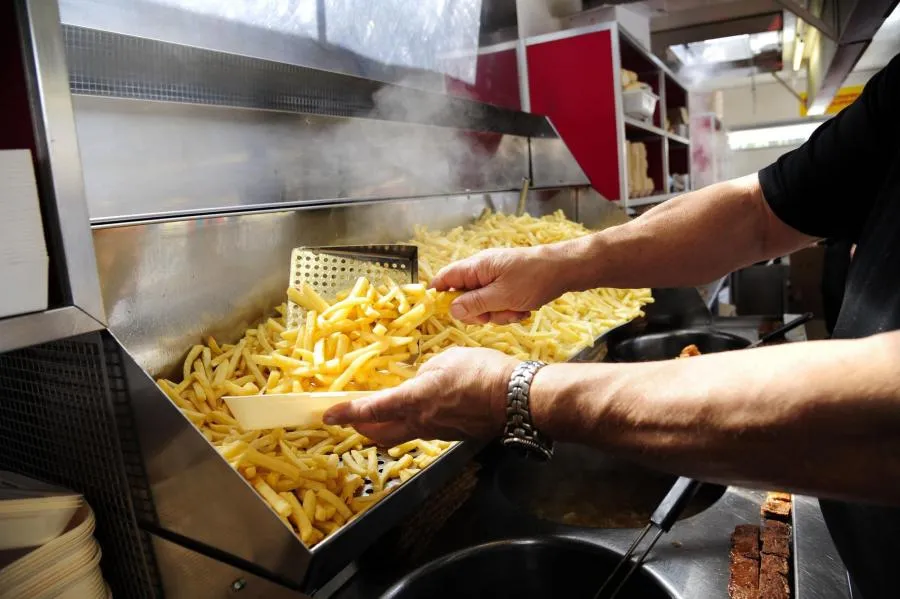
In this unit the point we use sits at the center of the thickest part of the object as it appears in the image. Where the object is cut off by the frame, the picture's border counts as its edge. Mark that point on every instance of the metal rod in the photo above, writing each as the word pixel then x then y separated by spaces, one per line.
pixel 790 89
pixel 637 563
pixel 624 560
pixel 523 196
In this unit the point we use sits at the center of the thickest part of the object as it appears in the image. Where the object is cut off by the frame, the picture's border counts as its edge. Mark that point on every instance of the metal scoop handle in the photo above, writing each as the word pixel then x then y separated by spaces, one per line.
pixel 788 326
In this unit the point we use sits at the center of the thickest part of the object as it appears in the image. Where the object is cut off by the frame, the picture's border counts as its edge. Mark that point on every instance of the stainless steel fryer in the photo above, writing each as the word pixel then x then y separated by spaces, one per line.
pixel 201 167
pixel 195 494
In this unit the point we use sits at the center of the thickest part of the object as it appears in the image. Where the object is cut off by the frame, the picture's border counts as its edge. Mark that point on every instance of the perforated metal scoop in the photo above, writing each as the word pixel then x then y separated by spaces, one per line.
pixel 332 269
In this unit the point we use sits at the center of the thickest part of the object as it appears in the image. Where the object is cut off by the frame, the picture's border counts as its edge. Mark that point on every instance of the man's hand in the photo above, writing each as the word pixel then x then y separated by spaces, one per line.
pixel 504 285
pixel 459 394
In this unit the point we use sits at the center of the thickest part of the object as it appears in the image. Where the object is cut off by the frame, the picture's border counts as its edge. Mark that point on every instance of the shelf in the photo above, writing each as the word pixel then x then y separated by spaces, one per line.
pixel 679 139
pixel 648 127
pixel 39 327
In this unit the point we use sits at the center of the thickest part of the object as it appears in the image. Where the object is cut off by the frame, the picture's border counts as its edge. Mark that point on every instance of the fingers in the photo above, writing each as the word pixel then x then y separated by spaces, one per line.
pixel 387 434
pixel 469 273
pixel 381 407
pixel 481 305
pixel 507 316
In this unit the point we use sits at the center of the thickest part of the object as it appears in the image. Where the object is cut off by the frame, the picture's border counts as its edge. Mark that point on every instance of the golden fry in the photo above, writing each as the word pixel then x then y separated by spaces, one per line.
pixel 298 516
pixel 281 507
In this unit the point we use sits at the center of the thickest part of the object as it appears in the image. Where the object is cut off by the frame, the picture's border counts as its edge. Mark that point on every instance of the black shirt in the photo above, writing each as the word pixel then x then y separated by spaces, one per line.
pixel 844 183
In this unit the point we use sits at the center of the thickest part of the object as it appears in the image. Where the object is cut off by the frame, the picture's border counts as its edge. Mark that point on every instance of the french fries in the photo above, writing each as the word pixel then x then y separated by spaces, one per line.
pixel 372 336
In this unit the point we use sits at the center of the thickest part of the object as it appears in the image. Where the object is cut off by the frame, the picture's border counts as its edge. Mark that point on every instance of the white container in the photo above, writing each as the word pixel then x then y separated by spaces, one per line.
pixel 639 103
pixel 23 252
pixel 27 286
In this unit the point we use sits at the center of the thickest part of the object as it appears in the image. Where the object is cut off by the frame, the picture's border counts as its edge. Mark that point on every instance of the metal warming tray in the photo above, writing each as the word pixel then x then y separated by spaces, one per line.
pixel 189 482
pixel 167 284
pixel 196 496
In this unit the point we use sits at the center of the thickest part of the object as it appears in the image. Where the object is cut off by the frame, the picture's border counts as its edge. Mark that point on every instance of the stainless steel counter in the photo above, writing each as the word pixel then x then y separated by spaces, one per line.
pixel 818 569
pixel 691 562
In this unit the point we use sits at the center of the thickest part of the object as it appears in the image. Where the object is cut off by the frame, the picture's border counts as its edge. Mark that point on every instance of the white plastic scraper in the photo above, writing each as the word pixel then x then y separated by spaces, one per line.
pixel 259 412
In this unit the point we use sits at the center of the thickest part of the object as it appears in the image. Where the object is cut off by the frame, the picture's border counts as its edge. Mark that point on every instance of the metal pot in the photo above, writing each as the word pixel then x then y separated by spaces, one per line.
pixel 664 346
pixel 668 345
pixel 584 487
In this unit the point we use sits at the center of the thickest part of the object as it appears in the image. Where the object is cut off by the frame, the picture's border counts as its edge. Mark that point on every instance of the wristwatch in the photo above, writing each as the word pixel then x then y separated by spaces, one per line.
pixel 520 433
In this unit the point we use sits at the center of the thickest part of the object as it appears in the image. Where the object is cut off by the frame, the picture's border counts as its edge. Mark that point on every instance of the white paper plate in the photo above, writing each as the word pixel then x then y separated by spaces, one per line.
pixel 78 533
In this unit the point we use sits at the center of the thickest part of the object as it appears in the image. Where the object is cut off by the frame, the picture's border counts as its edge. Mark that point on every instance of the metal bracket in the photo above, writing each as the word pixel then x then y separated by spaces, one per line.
pixel 811 19
pixel 790 90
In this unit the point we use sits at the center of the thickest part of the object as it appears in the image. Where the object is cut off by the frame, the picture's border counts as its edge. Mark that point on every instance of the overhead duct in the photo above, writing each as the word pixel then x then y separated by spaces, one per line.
pixel 705 22
pixel 700 41
pixel 846 28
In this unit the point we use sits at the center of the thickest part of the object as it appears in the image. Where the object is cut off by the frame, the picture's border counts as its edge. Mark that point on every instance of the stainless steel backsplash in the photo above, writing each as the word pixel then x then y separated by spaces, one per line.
pixel 166 285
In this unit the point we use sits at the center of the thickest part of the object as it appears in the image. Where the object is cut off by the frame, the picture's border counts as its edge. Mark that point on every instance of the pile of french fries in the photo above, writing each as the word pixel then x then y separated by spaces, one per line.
pixel 371 337
pixel 314 479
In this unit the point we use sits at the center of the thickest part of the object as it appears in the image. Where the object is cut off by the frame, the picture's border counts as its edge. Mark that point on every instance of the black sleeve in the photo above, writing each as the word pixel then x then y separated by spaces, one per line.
pixel 827 186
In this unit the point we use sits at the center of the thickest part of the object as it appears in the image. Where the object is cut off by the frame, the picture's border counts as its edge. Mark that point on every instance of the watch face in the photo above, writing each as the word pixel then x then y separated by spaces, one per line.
pixel 528 449
pixel 519 450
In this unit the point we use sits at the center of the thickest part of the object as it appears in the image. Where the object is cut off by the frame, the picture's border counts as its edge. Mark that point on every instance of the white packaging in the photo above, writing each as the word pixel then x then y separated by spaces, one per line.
pixel 23 252
pixel 639 103
pixel 26 283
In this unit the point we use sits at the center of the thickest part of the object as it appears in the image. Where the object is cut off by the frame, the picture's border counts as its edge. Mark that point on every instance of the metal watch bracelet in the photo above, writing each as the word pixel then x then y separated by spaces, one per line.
pixel 520 432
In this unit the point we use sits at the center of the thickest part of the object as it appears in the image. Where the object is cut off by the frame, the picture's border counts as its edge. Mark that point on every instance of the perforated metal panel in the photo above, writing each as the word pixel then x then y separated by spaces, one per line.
pixel 103 63
pixel 330 270
pixel 59 406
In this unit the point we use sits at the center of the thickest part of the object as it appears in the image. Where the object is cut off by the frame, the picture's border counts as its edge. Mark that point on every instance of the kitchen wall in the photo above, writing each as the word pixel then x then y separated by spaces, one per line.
pixel 746 106
pixel 745 162
pixel 768 101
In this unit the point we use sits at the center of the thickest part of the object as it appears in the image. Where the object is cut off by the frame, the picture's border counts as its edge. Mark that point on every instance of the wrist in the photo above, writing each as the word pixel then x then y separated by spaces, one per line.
pixel 520 432
pixel 574 402
pixel 542 400
pixel 498 395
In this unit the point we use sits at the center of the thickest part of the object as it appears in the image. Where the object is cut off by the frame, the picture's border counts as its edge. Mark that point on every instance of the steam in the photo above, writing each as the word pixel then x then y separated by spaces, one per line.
pixel 398 153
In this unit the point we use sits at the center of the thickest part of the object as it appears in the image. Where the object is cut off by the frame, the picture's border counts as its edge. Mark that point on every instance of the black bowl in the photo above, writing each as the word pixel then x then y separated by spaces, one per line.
pixel 668 345
pixel 584 487
pixel 538 567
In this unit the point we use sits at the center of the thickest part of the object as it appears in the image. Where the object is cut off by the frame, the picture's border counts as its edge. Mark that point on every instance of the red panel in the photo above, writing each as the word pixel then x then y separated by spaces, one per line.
pixel 571 81
pixel 678 158
pixel 16 132
pixel 496 81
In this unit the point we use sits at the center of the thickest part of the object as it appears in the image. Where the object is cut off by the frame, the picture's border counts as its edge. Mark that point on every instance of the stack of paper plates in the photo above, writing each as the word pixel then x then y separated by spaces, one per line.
pixel 32 512
pixel 67 566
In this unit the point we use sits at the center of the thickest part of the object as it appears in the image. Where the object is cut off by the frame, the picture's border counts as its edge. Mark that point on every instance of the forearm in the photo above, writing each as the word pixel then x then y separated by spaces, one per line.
pixel 821 418
pixel 689 240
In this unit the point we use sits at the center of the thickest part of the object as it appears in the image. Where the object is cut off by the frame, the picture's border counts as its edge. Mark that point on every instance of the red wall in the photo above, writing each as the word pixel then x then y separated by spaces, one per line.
pixel 496 81
pixel 571 81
